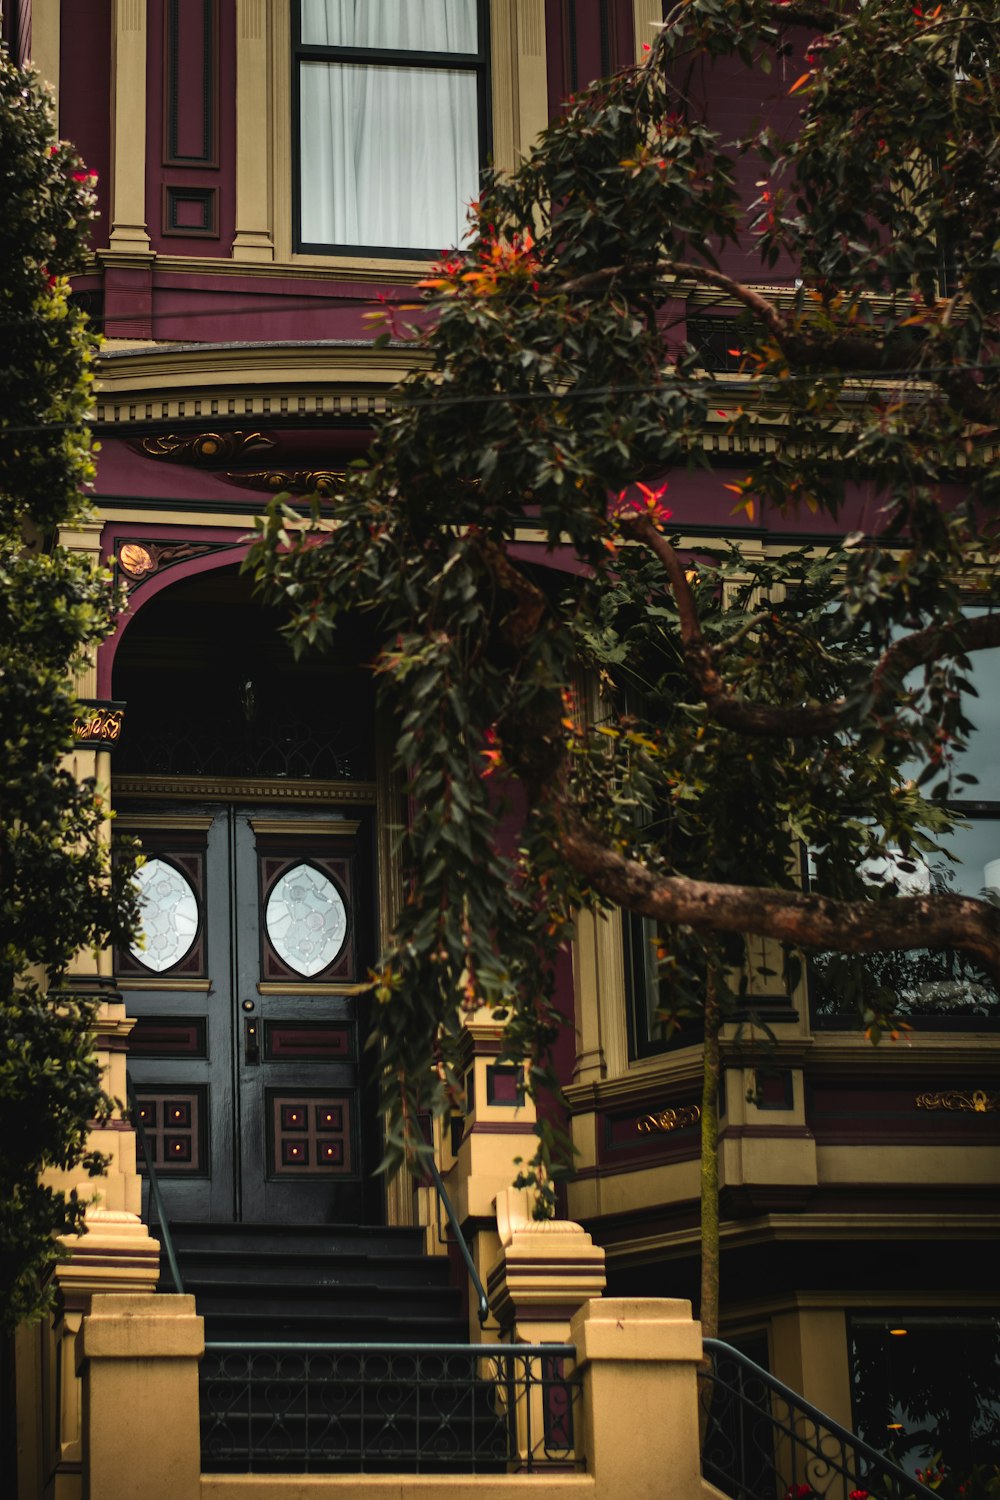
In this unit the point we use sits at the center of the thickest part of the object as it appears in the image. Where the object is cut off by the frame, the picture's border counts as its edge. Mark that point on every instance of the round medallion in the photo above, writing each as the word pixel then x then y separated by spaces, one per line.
pixel 306 920
pixel 168 916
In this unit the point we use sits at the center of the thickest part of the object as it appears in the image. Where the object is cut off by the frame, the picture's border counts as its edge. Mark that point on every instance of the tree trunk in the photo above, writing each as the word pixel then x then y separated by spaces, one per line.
pixel 709 1186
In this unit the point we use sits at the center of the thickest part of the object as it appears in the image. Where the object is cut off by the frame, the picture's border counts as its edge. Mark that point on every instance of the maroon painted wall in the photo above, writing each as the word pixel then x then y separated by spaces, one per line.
pixel 191 126
pixel 585 40
pixel 85 96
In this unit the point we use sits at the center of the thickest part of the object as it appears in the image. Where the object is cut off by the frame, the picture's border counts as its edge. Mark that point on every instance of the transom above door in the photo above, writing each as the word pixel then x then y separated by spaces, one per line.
pixel 245 1057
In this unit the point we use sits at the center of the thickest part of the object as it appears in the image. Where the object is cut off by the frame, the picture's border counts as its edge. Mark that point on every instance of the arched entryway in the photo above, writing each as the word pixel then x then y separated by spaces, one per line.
pixel 250 781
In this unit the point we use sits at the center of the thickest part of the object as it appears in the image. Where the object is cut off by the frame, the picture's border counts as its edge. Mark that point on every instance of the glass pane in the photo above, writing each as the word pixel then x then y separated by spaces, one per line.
pixel 168 916
pixel 977 849
pixel 397 25
pixel 981 758
pixel 389 156
pixel 306 920
pixel 925 1385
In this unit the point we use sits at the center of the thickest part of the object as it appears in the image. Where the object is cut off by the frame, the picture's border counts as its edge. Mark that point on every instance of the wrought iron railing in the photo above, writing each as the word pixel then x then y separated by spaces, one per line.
pixel 156 1197
pixel 764 1442
pixel 482 1305
pixel 380 1408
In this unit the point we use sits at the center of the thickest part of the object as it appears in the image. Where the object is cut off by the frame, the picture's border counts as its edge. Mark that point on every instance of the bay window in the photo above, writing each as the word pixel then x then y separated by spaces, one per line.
pixel 390 115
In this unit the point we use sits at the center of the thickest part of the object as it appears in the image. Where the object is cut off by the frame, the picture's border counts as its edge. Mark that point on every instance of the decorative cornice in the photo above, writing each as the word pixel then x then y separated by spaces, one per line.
pixel 245 789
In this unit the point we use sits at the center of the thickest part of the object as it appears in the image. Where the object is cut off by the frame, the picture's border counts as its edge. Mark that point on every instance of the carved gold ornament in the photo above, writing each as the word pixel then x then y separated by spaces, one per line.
pixel 102 724
pixel 205 447
pixel 290 481
pixel 979 1102
pixel 665 1120
pixel 135 560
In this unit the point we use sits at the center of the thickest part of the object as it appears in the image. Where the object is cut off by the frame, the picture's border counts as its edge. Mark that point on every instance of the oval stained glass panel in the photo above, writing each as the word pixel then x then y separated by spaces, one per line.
pixel 306 920
pixel 168 916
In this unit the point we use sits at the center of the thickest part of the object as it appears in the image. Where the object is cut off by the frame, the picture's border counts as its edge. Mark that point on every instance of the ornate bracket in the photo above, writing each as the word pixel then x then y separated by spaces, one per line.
pixel 140 559
pixel 99 724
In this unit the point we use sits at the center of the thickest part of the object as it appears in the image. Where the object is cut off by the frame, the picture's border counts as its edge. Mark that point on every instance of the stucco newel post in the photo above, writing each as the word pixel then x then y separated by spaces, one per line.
pixel 548 1269
pixel 138 1359
pixel 638 1422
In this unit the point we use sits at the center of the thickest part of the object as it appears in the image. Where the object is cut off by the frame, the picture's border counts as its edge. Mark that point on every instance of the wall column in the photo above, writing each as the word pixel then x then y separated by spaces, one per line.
pixel 254 238
pixel 45 19
pixel 645 13
pixel 128 139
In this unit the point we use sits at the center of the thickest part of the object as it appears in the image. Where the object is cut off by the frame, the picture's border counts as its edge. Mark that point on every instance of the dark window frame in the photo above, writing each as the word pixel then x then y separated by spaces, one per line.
pixel 477 63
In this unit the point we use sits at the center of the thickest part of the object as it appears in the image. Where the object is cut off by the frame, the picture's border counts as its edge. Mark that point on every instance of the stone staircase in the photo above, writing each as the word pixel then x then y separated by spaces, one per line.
pixel 275 1397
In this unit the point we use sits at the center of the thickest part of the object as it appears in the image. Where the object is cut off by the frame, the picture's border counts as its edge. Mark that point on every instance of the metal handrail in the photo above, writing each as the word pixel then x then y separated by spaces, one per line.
pixel 480 1351
pixel 798 1405
pixel 483 1308
pixel 154 1188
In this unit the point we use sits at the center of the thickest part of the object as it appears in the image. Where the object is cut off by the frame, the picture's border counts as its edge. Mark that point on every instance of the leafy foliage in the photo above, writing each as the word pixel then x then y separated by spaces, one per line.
pixel 54 875
pixel 746 701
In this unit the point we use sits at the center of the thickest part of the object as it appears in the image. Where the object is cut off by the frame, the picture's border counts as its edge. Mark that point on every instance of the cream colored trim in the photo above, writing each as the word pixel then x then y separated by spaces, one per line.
pixel 254 239
pixel 315 828
pixel 255 383
pixel 645 13
pixel 45 19
pixel 244 789
pixel 305 989
pixel 520 85
pixel 195 986
pixel 128 126
pixel 127 822
pixel 599 985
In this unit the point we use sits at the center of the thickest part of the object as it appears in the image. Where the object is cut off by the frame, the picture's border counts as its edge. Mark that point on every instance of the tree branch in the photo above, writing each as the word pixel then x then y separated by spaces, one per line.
pixel 797 721
pixel 876 926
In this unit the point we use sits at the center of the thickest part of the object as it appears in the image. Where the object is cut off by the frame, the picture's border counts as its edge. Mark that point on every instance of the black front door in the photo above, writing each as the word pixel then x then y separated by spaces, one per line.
pixel 245 1058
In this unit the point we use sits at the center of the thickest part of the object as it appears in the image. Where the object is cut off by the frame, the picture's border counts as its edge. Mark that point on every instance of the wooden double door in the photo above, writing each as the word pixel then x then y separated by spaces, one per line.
pixel 246 1055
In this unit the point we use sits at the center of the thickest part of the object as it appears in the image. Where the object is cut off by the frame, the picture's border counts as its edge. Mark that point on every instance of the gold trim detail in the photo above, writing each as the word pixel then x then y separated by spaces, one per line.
pixel 328 828
pixel 979 1102
pixel 665 1120
pixel 205 447
pixel 126 822
pixel 244 789
pixel 102 724
pixel 201 986
pixel 305 990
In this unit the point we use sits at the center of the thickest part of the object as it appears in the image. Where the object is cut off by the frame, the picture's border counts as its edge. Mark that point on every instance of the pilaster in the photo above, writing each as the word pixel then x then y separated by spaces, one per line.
pixel 128 126
pixel 254 239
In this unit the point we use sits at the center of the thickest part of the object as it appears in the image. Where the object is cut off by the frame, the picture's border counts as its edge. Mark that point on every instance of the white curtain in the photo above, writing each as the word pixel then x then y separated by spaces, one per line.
pixel 389 155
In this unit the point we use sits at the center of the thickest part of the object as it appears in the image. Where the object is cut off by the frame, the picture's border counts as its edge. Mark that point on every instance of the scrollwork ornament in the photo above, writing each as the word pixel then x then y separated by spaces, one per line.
pixel 98 725
pixel 665 1120
pixel 976 1101
pixel 205 447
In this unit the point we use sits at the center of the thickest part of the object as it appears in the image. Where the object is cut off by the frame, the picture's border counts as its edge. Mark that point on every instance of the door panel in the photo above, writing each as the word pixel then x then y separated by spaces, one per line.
pixel 245 1058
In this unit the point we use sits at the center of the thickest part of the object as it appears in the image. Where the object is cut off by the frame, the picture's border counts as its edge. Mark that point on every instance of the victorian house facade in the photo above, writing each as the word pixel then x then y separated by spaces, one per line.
pixel 269 172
